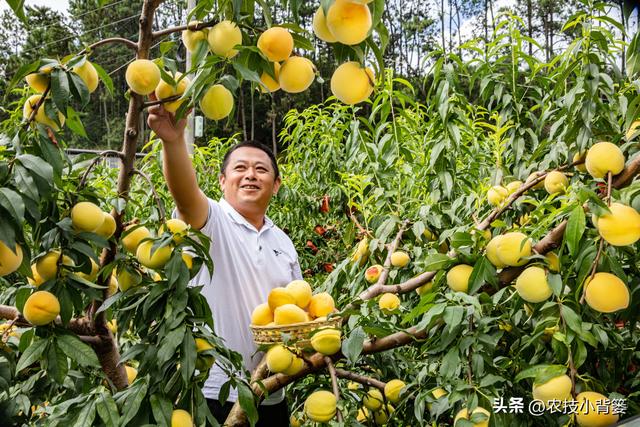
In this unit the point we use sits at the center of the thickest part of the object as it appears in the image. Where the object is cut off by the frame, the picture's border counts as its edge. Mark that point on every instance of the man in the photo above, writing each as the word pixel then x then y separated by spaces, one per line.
pixel 250 254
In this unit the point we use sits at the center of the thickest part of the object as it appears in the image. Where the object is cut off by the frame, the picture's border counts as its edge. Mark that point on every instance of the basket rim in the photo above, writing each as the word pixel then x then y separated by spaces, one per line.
pixel 333 320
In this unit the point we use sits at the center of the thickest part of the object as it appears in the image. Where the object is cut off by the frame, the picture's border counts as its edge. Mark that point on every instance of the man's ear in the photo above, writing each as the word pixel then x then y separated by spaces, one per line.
pixel 276 185
pixel 221 181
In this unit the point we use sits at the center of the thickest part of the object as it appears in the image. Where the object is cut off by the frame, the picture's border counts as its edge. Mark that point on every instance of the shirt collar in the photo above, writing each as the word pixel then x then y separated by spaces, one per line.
pixel 239 219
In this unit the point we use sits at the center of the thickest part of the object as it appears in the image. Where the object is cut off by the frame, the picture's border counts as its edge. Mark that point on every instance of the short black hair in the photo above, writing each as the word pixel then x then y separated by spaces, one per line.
pixel 251 144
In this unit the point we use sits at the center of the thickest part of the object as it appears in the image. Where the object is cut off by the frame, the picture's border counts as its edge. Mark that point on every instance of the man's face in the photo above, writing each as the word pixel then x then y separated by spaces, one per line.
pixel 249 181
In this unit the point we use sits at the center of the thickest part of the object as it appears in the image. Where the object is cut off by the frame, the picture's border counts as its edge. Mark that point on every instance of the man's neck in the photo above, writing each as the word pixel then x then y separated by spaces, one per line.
pixel 254 218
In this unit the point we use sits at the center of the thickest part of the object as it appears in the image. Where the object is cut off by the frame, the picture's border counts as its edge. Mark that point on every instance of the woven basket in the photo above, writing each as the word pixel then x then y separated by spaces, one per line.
pixel 300 333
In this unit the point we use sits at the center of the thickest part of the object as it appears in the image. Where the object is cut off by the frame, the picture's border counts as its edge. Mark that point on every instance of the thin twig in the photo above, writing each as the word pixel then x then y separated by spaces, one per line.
pixel 172 30
pixel 334 383
pixel 360 228
pixel 94 162
pixel 596 261
pixel 368 381
pixel 510 200
pixel 113 40
pixel 572 367
pixel 153 191
pixel 160 101
pixel 36 107
pixel 470 355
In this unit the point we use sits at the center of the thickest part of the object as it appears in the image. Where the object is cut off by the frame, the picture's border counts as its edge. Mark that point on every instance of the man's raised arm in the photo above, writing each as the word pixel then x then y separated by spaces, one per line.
pixel 177 167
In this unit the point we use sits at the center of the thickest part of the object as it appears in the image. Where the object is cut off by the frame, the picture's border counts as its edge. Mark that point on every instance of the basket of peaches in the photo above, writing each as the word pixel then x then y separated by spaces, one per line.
pixel 294 313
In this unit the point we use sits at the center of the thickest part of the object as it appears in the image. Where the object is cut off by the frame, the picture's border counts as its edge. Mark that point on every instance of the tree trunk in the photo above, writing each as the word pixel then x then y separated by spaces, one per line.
pixel 493 18
pixel 457 6
pixel 450 26
pixel 530 25
pixel 106 122
pixel 444 43
pixel 486 27
pixel 551 29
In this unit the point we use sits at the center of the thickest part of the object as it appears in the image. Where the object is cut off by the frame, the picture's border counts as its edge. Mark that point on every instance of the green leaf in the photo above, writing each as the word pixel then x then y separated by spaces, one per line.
pixel 60 89
pixel 109 302
pixel 246 73
pixel 541 371
pixel 104 78
pixel 78 351
pixel 434 312
pixel 575 228
pixel 37 166
pixel 169 344
pixel 32 354
pixel 491 379
pixel 12 202
pixel 162 408
pixel 188 357
pixel 247 402
pixel 57 365
pixel 449 363
pixel 133 400
pixel 555 283
pixel 573 320
pixel 302 42
pixel 453 316
pixel 483 271
pixel 352 345
pixel 74 123
pixel 86 415
pixel 78 88
pixel 108 410
pixel 436 262
pixel 18 8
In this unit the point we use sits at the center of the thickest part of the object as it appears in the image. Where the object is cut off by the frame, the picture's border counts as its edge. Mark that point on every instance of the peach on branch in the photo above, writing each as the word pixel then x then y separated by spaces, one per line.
pixel 276 44
pixel 320 28
pixel 166 90
pixel 223 37
pixel 604 157
pixel 88 74
pixel 142 76
pixel 41 308
pixel 296 74
pixel 320 406
pixel 349 22
pixel 372 273
pixel 10 259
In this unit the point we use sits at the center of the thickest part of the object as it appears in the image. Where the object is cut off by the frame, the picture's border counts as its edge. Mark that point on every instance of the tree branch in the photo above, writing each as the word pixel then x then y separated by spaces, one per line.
pixel 334 383
pixel 113 40
pixel 172 30
pixel 377 288
pixel 368 381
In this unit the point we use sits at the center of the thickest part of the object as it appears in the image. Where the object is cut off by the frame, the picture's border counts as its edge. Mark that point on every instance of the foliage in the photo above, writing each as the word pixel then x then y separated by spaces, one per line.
pixel 492 113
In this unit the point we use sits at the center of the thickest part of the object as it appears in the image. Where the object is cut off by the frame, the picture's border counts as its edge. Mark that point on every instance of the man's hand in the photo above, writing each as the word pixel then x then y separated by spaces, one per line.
pixel 164 123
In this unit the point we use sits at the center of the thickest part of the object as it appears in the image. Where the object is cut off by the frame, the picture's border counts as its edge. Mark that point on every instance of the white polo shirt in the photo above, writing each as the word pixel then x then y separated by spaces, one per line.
pixel 248 264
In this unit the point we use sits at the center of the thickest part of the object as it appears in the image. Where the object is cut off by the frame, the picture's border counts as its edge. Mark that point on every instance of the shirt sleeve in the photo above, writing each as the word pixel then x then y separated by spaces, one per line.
pixel 212 215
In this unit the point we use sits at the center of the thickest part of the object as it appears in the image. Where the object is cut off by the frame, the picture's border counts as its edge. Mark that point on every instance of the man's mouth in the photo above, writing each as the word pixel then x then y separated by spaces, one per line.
pixel 250 187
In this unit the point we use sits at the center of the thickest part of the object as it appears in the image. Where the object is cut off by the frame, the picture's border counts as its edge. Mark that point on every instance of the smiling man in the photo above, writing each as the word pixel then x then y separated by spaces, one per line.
pixel 250 254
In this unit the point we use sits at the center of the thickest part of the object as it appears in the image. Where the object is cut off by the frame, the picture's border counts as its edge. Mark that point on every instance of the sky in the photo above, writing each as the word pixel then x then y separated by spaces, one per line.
pixel 59 5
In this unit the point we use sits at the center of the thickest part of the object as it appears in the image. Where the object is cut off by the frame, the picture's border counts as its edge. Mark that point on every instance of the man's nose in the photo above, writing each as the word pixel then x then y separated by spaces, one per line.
pixel 250 173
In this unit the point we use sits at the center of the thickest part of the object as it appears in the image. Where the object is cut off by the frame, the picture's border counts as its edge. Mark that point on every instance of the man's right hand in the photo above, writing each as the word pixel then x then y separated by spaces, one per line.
pixel 164 123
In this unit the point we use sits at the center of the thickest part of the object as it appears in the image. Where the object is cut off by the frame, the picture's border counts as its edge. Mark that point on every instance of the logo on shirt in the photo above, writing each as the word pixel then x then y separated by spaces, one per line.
pixel 277 252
